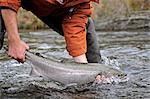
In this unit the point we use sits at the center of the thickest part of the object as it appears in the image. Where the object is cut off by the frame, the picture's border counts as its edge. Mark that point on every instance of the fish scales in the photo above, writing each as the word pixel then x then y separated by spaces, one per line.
pixel 68 73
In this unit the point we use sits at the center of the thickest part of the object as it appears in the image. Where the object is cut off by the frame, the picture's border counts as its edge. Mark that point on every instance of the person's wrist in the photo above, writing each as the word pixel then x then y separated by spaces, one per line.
pixel 13 39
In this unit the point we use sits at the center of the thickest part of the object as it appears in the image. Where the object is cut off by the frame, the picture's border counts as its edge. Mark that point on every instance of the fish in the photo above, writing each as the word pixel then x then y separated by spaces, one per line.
pixel 68 73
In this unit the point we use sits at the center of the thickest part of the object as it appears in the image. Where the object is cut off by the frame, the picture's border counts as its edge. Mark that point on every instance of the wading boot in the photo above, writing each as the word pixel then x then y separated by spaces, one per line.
pixel 2 31
pixel 93 52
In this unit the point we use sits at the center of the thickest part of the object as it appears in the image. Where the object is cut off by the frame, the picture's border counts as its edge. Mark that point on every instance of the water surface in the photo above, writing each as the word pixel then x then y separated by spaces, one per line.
pixel 129 51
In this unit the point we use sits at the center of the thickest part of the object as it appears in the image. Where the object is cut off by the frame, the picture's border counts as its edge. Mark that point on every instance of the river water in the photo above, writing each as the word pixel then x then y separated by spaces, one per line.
pixel 129 51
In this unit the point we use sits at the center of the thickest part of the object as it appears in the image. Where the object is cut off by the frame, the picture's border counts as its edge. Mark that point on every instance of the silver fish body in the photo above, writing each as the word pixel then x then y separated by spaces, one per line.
pixel 68 73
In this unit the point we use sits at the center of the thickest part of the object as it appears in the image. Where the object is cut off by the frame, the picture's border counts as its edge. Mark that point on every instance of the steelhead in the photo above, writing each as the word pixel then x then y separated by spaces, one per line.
pixel 67 73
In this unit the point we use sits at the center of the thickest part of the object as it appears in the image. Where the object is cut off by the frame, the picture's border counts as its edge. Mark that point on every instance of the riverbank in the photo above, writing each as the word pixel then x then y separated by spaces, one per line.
pixel 138 20
pixel 108 15
pixel 27 21
pixel 135 21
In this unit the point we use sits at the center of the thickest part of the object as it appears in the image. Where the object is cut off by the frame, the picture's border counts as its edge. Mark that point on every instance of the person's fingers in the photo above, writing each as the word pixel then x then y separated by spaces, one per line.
pixel 11 55
pixel 27 47
pixel 21 59
pixel 25 55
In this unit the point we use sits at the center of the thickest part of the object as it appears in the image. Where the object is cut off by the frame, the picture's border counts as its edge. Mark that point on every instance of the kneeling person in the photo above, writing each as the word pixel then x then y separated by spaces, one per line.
pixel 68 18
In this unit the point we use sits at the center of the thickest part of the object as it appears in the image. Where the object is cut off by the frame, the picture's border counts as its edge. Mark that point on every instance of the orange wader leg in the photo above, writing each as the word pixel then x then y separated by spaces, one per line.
pixel 74 28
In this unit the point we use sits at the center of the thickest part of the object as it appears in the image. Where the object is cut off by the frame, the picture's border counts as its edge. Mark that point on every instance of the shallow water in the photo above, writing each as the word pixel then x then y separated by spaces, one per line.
pixel 129 51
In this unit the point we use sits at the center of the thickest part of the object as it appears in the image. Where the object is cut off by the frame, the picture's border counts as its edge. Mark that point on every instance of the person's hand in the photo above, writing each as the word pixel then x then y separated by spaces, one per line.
pixel 80 59
pixel 17 50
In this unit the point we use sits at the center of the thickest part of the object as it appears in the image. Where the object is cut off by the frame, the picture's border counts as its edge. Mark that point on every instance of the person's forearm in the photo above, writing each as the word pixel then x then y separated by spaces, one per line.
pixel 16 47
pixel 10 20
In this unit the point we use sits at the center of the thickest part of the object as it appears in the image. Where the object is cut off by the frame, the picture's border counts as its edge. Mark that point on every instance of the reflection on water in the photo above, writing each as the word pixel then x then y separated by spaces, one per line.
pixel 129 51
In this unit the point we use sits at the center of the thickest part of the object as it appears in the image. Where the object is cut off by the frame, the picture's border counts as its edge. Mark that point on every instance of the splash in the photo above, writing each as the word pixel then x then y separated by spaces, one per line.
pixel 107 78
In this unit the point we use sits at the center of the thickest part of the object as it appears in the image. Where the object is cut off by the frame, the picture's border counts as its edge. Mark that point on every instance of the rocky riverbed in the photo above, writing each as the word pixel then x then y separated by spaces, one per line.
pixel 129 51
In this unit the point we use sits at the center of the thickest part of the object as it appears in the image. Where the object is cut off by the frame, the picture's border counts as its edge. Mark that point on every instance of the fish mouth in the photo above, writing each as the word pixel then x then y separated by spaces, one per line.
pixel 108 78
